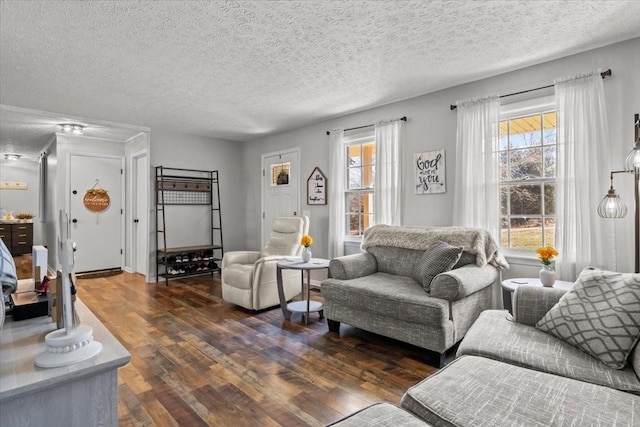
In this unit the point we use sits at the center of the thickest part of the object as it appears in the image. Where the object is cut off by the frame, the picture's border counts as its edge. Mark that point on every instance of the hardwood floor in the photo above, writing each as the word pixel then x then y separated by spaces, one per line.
pixel 197 361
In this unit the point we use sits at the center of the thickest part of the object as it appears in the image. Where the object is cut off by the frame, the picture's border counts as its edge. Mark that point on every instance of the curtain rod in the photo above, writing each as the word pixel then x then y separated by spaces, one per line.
pixel 403 118
pixel 603 74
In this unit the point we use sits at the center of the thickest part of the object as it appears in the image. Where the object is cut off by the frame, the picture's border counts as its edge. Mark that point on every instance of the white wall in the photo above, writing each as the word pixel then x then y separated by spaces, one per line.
pixel 431 125
pixel 188 225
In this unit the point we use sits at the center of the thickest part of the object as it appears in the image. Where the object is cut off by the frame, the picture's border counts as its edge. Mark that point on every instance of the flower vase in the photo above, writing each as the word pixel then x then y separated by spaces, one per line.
pixel 306 254
pixel 547 276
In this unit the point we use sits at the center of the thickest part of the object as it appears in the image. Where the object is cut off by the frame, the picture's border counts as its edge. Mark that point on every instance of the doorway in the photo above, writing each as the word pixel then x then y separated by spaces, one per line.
pixel 139 213
pixel 280 187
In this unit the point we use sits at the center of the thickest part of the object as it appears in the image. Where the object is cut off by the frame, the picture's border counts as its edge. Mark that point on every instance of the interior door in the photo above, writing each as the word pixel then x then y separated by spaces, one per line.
pixel 96 220
pixel 280 188
pixel 139 215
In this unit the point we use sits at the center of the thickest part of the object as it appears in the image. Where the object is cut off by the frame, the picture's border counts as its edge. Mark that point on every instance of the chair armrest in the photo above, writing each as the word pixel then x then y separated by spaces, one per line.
pixel 531 303
pixel 271 258
pixel 456 284
pixel 240 257
pixel 353 266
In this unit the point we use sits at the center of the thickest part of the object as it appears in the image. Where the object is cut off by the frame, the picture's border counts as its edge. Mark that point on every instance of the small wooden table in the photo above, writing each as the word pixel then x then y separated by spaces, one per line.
pixel 509 286
pixel 305 306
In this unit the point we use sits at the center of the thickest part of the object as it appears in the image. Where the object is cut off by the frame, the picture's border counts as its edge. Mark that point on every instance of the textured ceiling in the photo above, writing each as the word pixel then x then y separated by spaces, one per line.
pixel 27 132
pixel 241 69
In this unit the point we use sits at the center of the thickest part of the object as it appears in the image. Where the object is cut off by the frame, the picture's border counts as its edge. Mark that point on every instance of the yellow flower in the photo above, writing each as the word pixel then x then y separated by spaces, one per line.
pixel 306 241
pixel 546 254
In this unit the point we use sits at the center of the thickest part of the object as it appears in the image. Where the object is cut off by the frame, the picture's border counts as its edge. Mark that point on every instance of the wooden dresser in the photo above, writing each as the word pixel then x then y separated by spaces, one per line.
pixel 18 237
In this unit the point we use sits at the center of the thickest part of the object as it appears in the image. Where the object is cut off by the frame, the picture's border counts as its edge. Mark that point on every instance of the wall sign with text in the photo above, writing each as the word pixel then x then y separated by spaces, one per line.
pixel 317 188
pixel 96 200
pixel 429 172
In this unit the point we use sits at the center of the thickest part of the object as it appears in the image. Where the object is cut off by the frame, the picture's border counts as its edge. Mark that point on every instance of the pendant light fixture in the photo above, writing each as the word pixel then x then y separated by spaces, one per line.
pixel 612 205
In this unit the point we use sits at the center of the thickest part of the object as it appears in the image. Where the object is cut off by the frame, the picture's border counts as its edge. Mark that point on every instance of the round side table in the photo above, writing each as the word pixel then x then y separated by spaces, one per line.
pixel 305 306
pixel 509 286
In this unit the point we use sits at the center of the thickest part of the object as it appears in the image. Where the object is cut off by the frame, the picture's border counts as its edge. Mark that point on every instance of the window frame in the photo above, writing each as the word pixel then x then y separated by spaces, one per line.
pixel 361 137
pixel 541 105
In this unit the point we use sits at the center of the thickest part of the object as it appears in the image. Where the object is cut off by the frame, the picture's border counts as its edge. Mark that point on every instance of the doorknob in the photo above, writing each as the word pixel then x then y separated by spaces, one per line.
pixel 74 220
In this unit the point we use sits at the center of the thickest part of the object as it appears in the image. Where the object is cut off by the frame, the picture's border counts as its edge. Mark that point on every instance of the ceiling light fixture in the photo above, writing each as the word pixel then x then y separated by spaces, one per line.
pixel 11 156
pixel 73 128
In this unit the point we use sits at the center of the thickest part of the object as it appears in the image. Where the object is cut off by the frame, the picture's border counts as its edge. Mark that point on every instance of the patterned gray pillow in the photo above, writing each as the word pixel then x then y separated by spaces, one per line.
pixel 440 257
pixel 600 316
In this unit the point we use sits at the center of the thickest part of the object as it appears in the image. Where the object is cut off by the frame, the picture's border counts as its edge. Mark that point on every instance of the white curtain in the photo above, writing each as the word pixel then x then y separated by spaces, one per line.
pixel 582 237
pixel 337 165
pixel 387 182
pixel 476 200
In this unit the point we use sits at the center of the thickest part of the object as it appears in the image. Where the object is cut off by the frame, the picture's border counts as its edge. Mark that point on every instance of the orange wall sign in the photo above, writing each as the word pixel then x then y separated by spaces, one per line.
pixel 96 200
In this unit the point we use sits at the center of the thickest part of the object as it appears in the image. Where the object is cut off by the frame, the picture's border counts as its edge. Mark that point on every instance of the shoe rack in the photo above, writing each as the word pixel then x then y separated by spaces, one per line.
pixel 199 189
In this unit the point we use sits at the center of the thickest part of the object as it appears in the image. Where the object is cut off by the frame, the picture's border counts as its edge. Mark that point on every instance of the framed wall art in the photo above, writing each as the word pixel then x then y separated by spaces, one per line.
pixel 429 172
pixel 317 188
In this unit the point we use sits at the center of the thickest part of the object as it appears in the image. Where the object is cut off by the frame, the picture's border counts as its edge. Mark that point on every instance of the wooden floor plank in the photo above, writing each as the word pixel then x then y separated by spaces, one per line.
pixel 197 360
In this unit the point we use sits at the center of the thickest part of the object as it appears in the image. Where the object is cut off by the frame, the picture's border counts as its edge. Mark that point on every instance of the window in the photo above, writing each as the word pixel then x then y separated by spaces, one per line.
pixel 280 174
pixel 528 152
pixel 360 173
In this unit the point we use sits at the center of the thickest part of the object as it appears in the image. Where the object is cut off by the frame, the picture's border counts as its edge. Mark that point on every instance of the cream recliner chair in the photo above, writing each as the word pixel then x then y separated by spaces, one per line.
pixel 249 277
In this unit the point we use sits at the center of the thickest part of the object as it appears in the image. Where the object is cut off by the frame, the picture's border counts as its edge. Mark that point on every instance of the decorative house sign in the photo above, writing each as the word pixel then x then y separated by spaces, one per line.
pixel 317 188
pixel 429 172
pixel 96 199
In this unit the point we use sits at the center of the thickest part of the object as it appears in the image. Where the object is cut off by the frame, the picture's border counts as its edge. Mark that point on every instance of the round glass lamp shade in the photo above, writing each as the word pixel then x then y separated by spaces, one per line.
pixel 632 162
pixel 612 206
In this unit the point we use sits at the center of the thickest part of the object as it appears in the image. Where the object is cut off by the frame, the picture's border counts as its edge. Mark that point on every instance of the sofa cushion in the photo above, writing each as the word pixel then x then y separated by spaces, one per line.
pixel 398 261
pixel 475 391
pixel 600 315
pixel 495 336
pixel 466 258
pixel 387 295
pixel 382 415
pixel 440 257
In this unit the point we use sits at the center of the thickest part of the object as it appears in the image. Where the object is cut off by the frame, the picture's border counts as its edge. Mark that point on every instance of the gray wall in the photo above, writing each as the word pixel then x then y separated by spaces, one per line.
pixel 431 125
pixel 188 225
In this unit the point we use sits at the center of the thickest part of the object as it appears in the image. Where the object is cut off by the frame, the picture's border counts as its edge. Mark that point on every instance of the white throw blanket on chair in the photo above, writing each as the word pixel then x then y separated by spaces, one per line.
pixel 476 241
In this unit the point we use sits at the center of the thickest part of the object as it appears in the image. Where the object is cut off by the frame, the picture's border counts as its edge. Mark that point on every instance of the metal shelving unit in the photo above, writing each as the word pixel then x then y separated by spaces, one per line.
pixel 193 187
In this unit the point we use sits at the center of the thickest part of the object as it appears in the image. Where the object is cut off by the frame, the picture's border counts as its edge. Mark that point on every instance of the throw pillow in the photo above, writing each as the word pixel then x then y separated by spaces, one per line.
pixel 600 316
pixel 440 257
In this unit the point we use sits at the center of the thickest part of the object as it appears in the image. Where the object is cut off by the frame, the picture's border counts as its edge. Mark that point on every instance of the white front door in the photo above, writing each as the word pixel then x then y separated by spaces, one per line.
pixel 280 188
pixel 96 223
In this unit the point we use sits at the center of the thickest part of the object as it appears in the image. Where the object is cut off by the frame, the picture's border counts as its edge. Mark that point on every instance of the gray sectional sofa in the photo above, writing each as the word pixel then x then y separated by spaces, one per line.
pixel 383 291
pixel 509 373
